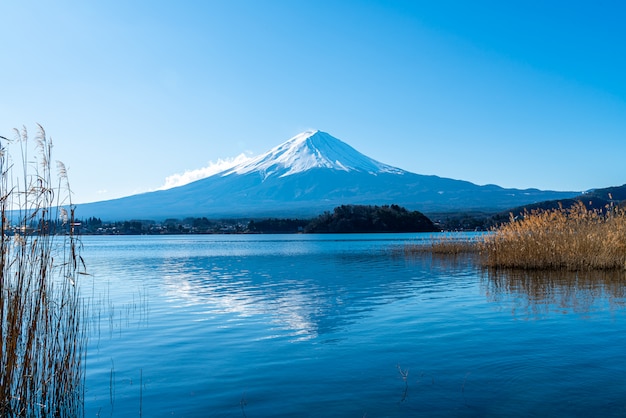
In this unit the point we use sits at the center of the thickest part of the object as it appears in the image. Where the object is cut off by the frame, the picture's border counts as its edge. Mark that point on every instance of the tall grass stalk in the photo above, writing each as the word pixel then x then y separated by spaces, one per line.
pixel 574 239
pixel 43 338
pixel 562 239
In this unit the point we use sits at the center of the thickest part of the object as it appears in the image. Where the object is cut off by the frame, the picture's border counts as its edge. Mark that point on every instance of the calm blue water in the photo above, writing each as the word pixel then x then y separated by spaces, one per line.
pixel 342 325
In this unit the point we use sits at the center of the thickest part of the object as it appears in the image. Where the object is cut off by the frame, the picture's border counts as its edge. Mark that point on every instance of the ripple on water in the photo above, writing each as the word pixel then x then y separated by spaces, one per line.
pixel 284 327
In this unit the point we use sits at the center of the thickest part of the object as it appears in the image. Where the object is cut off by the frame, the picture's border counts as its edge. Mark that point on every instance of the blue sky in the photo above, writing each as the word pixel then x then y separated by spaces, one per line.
pixel 519 94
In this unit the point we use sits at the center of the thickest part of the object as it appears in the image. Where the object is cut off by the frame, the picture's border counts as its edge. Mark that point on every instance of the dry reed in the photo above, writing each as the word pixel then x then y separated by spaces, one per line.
pixel 43 337
pixel 574 239
pixel 561 239
pixel 444 245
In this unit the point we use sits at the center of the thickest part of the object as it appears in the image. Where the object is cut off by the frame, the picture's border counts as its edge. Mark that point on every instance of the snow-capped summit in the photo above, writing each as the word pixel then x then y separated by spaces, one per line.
pixel 308 150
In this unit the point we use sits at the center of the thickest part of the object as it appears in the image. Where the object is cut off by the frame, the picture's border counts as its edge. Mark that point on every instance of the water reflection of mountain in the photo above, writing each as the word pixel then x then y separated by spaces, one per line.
pixel 303 297
pixel 536 293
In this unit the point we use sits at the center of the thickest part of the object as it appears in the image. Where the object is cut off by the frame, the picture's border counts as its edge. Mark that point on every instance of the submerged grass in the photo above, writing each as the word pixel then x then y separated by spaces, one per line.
pixel 574 239
pixel 43 337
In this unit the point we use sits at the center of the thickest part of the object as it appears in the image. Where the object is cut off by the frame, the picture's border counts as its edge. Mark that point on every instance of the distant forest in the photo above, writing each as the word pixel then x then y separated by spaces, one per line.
pixel 343 219
pixel 361 218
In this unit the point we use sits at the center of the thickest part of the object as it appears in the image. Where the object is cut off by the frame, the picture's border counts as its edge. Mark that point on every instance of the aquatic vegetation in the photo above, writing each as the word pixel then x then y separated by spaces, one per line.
pixel 574 239
pixel 445 245
pixel 404 373
pixel 42 333
pixel 571 239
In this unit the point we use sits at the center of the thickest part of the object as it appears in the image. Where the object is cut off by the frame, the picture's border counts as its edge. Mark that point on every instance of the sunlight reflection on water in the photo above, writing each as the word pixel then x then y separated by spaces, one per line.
pixel 318 325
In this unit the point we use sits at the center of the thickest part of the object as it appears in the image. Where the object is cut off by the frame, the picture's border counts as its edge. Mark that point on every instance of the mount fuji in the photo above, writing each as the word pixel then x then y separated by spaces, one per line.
pixel 310 150
pixel 304 176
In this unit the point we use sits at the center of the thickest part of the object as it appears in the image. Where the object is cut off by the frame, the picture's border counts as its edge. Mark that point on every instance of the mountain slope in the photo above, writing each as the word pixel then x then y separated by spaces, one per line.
pixel 308 174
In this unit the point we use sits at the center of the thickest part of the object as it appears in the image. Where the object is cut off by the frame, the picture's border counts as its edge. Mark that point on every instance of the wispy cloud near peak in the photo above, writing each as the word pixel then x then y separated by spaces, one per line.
pixel 214 167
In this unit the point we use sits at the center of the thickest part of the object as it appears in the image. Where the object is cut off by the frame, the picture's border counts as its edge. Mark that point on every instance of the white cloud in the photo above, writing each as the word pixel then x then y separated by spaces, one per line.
pixel 214 167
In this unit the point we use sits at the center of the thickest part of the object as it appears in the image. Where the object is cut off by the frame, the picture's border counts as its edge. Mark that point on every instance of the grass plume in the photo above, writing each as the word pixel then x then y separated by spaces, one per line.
pixel 574 239
pixel 561 239
pixel 42 333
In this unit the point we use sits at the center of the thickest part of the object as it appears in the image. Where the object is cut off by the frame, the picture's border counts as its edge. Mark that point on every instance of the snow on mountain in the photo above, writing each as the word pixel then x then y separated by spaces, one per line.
pixel 308 150
pixel 306 175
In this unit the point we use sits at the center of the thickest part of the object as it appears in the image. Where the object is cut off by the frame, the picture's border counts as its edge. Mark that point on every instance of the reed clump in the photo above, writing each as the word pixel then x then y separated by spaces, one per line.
pixel 573 239
pixel 43 338
pixel 444 245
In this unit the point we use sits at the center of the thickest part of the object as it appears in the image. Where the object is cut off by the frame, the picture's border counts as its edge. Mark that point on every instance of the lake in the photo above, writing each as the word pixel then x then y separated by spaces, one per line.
pixel 342 326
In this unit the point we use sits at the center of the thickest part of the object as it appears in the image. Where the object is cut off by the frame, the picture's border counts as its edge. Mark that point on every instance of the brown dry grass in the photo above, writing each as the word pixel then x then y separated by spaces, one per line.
pixel 560 239
pixel 574 239
pixel 41 329
pixel 444 245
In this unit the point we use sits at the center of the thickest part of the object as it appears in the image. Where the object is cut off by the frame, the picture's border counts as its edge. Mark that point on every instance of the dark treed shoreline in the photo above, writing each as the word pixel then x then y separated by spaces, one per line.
pixel 344 219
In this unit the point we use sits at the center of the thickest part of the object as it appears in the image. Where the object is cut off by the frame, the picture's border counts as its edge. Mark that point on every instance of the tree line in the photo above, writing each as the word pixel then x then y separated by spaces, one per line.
pixel 343 219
